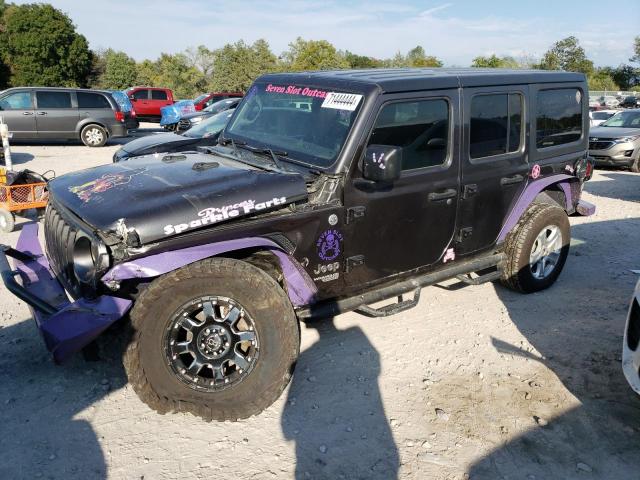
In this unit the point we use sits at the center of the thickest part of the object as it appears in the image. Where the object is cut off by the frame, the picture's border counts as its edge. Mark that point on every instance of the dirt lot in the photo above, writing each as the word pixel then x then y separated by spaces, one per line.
pixel 476 382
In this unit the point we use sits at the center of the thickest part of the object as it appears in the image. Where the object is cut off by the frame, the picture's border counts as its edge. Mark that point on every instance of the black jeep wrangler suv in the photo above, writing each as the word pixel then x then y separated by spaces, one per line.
pixel 327 192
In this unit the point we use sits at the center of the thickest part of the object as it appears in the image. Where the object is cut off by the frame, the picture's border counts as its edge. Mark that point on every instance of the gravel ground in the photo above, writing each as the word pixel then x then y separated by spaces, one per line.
pixel 476 382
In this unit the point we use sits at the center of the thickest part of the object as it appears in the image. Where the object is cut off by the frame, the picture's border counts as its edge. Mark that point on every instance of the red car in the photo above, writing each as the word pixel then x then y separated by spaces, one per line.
pixel 206 99
pixel 147 101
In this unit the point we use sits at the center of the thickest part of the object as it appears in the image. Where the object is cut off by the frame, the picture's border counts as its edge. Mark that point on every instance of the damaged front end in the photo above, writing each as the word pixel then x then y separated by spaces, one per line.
pixel 66 325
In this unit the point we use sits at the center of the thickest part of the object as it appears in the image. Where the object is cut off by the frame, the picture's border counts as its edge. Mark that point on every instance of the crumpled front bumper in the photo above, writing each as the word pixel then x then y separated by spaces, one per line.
pixel 66 326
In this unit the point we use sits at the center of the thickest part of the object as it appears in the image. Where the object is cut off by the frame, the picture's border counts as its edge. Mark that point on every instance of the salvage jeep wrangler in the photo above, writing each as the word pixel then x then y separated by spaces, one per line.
pixel 328 192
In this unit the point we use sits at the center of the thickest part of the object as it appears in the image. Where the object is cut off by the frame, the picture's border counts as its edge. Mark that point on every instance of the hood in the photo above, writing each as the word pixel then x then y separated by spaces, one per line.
pixel 201 113
pixel 155 198
pixel 613 132
pixel 161 142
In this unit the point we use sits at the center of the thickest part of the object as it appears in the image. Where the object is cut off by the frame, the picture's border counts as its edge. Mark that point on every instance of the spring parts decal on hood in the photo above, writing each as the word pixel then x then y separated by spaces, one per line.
pixel 212 215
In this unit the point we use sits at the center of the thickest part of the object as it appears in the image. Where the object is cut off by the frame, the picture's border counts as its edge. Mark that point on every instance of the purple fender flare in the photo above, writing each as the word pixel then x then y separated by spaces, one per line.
pixel 532 190
pixel 300 288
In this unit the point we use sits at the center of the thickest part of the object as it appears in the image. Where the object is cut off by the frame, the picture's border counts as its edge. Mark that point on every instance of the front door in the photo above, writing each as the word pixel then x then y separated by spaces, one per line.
pixel 409 224
pixel 17 112
pixel 494 163
pixel 141 102
pixel 55 115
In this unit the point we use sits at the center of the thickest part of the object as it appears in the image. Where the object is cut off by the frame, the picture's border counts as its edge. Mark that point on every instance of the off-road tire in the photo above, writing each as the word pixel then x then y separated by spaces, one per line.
pixel 275 324
pixel 516 272
pixel 93 135
pixel 635 166
pixel 7 221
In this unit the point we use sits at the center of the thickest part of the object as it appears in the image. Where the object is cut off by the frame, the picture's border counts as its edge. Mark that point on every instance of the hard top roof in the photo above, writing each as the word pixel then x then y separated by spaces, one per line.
pixel 409 79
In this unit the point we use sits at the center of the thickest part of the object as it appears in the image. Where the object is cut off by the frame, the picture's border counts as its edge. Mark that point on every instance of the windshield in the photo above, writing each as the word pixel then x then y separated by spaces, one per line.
pixel 210 126
pixel 624 120
pixel 200 98
pixel 601 115
pixel 310 124
pixel 220 105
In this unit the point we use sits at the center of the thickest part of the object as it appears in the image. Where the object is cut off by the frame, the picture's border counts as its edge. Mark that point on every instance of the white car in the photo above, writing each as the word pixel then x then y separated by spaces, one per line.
pixel 599 116
pixel 630 347
pixel 610 101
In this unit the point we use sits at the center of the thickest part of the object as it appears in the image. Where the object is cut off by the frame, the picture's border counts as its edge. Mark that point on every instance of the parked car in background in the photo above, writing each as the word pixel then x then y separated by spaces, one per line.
pixel 616 142
pixel 630 101
pixel 48 113
pixel 206 99
pixel 599 116
pixel 594 103
pixel 609 101
pixel 188 121
pixel 202 135
pixel 130 119
pixel 147 101
pixel 631 343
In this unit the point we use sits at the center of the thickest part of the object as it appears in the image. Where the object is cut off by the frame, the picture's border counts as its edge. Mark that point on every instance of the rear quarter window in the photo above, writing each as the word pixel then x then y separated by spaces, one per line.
pixel 92 100
pixel 558 117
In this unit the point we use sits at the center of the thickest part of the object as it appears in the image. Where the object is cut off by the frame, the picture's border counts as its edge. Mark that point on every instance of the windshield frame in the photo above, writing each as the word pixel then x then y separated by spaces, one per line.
pixel 341 87
pixel 621 113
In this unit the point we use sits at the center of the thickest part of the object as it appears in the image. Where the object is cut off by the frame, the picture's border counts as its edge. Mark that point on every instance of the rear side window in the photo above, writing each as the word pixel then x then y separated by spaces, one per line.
pixel 53 99
pixel 141 94
pixel 559 117
pixel 92 100
pixel 495 124
pixel 421 128
pixel 158 95
pixel 17 101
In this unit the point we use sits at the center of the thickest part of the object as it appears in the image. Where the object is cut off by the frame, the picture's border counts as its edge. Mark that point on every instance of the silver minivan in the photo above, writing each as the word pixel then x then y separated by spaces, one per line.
pixel 47 113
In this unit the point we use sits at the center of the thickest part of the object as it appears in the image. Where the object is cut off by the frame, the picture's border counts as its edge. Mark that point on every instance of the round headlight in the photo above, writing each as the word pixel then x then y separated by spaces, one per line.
pixel 88 258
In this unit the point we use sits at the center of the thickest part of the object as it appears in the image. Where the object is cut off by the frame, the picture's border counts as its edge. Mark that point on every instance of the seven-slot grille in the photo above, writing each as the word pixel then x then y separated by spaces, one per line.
pixel 600 144
pixel 60 237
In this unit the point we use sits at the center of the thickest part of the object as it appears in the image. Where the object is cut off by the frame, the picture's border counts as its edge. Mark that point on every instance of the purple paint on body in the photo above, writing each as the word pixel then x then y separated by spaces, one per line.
pixel 300 287
pixel 529 194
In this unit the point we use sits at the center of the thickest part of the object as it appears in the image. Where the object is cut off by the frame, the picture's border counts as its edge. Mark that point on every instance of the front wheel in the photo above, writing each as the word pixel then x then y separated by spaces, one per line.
pixel 7 221
pixel 93 136
pixel 217 338
pixel 536 249
pixel 635 166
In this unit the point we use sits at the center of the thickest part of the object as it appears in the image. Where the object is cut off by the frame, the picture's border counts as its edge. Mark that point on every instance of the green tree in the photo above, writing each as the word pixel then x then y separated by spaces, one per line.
pixel 313 55
pixel 625 76
pixel 600 79
pixel 566 54
pixel 361 61
pixel 416 57
pixel 41 47
pixel 636 50
pixel 175 72
pixel 494 61
pixel 119 71
pixel 237 65
pixel 201 58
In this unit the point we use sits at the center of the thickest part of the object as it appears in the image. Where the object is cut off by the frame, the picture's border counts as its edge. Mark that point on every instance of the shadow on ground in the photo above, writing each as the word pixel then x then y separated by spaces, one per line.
pixel 40 437
pixel 627 186
pixel 580 342
pixel 334 411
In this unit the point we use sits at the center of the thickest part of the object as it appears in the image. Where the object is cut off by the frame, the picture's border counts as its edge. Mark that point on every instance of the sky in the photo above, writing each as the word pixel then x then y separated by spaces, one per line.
pixel 455 31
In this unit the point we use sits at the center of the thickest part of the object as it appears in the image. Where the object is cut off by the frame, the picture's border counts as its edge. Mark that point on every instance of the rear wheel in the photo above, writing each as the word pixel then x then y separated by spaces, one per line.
pixel 217 338
pixel 93 136
pixel 537 249
pixel 7 221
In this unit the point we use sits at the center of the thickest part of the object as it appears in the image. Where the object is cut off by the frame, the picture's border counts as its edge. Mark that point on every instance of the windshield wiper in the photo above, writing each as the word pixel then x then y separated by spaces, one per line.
pixel 274 153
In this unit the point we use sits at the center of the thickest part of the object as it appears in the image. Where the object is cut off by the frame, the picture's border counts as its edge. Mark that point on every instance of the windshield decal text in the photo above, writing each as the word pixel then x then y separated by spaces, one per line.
pixel 293 90
pixel 211 215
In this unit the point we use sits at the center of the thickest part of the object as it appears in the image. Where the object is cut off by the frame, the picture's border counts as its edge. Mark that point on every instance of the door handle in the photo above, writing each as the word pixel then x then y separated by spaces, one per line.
pixel 511 180
pixel 42 113
pixel 437 196
pixel 27 113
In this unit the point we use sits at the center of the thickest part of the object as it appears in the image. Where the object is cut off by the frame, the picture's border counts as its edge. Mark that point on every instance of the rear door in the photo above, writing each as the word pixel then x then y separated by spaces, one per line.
pixel 159 99
pixel 56 114
pixel 409 224
pixel 95 106
pixel 18 113
pixel 495 164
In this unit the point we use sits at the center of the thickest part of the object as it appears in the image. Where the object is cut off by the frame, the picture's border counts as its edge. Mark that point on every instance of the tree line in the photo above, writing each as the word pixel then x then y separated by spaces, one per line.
pixel 40 46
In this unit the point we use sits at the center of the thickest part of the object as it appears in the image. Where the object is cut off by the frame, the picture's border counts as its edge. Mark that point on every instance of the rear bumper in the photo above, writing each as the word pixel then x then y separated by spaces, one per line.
pixel 119 130
pixel 66 326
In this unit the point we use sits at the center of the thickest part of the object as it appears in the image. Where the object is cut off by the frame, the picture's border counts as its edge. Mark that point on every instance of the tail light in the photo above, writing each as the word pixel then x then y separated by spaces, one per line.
pixel 119 116
pixel 584 168
pixel 133 113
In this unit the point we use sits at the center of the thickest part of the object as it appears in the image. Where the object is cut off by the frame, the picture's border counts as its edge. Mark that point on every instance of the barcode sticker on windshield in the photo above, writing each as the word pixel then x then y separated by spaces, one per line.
pixel 341 101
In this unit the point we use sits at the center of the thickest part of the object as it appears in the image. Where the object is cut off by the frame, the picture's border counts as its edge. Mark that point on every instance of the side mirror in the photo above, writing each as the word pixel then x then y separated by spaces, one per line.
pixel 382 163
pixel 132 98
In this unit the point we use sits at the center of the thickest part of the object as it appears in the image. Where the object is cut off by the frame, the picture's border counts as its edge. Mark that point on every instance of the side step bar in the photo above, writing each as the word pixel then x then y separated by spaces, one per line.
pixel 361 302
